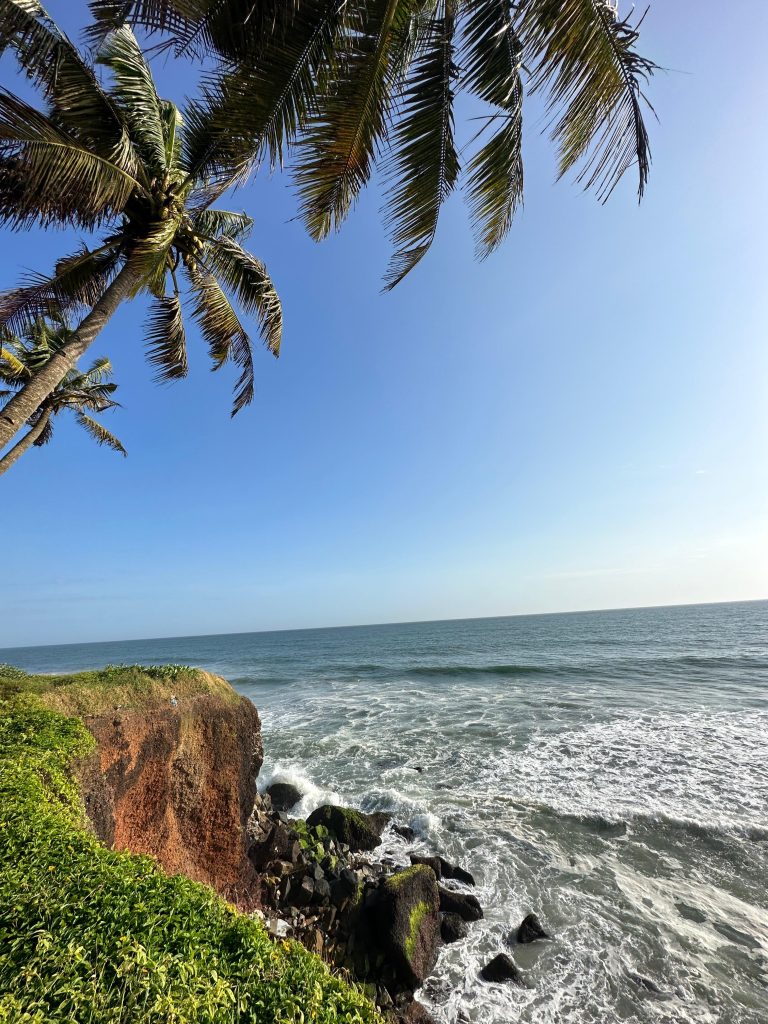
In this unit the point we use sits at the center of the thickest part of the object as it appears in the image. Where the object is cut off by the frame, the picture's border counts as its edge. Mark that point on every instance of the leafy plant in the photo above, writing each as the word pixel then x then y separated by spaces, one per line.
pixel 89 935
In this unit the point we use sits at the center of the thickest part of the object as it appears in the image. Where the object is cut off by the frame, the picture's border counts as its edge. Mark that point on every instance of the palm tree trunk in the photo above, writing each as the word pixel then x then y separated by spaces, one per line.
pixel 15 414
pixel 27 441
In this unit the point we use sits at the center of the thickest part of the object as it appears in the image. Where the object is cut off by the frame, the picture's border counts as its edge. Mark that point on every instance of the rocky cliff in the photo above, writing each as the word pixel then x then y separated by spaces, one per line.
pixel 174 776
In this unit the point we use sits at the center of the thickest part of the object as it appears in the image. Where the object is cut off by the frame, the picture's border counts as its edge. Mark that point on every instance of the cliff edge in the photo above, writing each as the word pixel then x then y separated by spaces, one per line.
pixel 163 761
pixel 177 780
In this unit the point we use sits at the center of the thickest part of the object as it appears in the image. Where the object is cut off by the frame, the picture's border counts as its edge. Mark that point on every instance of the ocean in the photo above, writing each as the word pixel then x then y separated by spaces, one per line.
pixel 607 770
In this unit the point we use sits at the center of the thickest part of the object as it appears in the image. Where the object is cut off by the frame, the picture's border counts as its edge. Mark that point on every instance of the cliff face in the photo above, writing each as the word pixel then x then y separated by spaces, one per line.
pixel 177 780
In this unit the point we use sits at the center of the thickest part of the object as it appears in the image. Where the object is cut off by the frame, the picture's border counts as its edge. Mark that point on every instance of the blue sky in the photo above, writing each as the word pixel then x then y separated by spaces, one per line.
pixel 579 422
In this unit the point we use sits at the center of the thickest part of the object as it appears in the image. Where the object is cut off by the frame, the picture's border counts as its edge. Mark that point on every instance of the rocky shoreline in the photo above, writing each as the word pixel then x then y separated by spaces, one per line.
pixel 381 922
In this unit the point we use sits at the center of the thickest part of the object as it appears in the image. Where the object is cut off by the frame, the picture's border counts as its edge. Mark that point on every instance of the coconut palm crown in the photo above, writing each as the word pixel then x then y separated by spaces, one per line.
pixel 356 83
pixel 79 392
pixel 106 154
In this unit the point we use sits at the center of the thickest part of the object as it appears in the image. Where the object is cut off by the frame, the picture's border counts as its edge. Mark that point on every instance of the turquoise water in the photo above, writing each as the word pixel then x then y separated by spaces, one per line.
pixel 608 770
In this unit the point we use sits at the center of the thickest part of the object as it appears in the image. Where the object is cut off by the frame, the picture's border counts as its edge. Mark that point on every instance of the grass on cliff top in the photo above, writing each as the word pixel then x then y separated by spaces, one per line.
pixel 89 935
pixel 128 687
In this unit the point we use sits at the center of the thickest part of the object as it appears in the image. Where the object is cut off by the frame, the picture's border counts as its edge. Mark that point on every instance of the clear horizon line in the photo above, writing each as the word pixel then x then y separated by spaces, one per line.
pixel 396 622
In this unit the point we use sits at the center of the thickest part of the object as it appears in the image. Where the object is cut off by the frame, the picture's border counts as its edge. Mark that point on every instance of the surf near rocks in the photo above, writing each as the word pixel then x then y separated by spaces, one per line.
pixel 382 923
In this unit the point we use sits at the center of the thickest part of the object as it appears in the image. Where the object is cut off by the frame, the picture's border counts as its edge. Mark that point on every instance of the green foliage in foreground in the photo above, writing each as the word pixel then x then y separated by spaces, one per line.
pixel 88 935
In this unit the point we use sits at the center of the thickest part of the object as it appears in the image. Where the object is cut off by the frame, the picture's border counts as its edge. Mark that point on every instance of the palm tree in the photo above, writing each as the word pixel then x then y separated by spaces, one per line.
pixel 22 358
pixel 356 83
pixel 117 158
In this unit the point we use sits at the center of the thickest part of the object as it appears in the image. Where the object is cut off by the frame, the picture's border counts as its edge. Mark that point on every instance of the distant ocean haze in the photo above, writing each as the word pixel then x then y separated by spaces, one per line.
pixel 606 770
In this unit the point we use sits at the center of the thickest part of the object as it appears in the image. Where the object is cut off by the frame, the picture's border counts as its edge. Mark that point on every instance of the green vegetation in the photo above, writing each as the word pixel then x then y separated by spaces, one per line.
pixel 417 915
pixel 88 935
pixel 21 358
pixel 401 877
pixel 124 686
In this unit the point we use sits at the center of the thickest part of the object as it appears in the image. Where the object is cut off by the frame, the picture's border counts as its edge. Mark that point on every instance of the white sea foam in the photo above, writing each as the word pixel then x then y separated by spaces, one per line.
pixel 312 795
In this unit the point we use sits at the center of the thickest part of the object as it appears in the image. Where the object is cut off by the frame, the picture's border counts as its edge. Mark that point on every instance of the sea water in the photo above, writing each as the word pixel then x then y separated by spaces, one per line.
pixel 606 770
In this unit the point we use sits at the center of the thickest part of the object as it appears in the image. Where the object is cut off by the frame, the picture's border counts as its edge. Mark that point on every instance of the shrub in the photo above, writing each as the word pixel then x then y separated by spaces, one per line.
pixel 87 934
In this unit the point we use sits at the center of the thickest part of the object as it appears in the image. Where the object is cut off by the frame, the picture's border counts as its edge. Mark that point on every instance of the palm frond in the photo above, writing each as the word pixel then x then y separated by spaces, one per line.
pixel 214 314
pixel 248 279
pixel 78 104
pixel 11 367
pixel 494 185
pixel 338 149
pixel 57 178
pixel 47 432
pixel 166 340
pixel 222 224
pixel 153 15
pixel 133 89
pixel 426 163
pixel 491 60
pixel 585 56
pixel 98 372
pixel 221 328
pixel 260 107
pixel 99 433
pixel 77 283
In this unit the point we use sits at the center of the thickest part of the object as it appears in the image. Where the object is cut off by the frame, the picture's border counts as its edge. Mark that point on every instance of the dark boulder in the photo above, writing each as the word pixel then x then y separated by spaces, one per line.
pixel 443 868
pixel 414 1013
pixel 301 893
pixel 502 968
pixel 452 928
pixel 464 904
pixel 322 891
pixel 460 874
pixel 283 795
pixel 280 844
pixel 357 830
pixel 647 983
pixel 530 930
pixel 406 924
pixel 435 863
pixel 405 832
pixel 344 887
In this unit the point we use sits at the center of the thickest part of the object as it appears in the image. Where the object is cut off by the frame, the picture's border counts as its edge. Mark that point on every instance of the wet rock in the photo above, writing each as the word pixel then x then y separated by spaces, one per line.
pixel 647 983
pixel 530 930
pixel 414 1013
pixel 736 935
pixel 405 832
pixel 283 795
pixel 406 924
pixel 464 904
pixel 691 913
pixel 357 830
pixel 460 874
pixel 452 928
pixel 435 863
pixel 443 868
pixel 502 968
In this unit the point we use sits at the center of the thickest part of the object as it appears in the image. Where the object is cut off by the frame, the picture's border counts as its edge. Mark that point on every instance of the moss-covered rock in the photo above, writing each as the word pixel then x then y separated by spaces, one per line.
pixel 357 830
pixel 408 924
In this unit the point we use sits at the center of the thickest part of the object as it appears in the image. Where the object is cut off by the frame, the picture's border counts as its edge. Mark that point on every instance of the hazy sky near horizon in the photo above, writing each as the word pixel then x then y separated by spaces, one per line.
pixel 579 422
